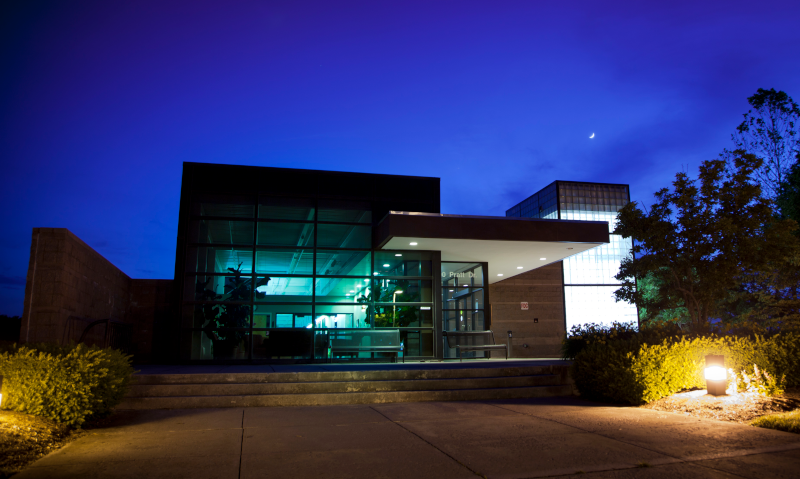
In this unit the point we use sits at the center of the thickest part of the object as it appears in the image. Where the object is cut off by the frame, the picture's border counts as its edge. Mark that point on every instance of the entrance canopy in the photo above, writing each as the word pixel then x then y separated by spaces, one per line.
pixel 510 245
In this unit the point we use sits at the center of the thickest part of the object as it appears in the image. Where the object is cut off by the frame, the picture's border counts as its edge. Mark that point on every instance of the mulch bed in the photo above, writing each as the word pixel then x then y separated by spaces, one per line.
pixel 740 407
pixel 25 438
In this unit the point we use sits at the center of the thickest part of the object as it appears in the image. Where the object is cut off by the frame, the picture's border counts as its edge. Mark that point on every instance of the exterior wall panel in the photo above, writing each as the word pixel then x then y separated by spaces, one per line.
pixel 542 290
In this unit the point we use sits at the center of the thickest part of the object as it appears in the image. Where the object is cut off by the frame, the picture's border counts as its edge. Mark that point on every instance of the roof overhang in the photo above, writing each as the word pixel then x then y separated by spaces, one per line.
pixel 509 245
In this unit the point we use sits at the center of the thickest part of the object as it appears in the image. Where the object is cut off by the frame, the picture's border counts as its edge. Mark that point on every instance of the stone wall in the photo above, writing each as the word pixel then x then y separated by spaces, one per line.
pixel 68 278
pixel 542 289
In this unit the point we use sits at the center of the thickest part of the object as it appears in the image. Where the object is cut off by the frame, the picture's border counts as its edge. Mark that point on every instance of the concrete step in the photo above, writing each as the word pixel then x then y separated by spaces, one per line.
pixel 366 375
pixel 326 399
pixel 310 388
pixel 321 387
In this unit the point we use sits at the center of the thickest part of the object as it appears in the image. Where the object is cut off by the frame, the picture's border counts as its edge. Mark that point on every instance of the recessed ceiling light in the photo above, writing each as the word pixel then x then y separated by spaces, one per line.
pixel 352 291
pixel 413 244
pixel 465 285
pixel 366 281
pixel 542 259
pixel 499 274
pixel 386 265
pixel 347 294
pixel 375 274
pixel 398 254
pixel 519 267
pixel 451 290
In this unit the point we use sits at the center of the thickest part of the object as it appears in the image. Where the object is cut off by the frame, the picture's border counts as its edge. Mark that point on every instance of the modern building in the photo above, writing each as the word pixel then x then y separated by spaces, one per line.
pixel 271 263
pixel 589 282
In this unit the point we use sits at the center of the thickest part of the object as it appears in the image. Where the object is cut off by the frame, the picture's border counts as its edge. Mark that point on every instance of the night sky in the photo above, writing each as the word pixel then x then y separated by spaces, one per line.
pixel 101 102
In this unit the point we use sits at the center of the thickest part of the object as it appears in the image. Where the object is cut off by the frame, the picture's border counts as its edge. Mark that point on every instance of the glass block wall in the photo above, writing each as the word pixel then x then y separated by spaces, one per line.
pixel 290 269
pixel 589 281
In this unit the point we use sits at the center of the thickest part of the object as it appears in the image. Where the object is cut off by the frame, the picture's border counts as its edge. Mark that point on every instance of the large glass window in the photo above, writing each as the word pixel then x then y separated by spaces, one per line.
pixel 230 206
pixel 344 236
pixel 285 261
pixel 342 316
pixel 285 234
pixel 272 278
pixel 342 290
pixel 403 263
pixel 283 289
pixel 301 209
pixel 219 259
pixel 267 316
pixel 337 211
pixel 343 263
pixel 221 231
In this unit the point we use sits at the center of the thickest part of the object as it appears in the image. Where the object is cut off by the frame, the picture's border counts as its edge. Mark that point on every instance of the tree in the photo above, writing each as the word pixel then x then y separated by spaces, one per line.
pixel 769 131
pixel 788 201
pixel 698 244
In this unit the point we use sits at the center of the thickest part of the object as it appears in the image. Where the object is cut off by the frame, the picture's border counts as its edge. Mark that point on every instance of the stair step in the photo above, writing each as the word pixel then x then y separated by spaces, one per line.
pixel 367 375
pixel 321 387
pixel 326 399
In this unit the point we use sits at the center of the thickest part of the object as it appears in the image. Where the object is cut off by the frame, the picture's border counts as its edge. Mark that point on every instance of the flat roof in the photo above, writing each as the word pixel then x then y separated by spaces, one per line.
pixel 510 245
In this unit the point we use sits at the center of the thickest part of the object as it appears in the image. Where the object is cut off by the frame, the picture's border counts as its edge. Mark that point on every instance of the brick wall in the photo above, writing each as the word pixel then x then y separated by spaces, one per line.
pixel 67 278
pixel 542 290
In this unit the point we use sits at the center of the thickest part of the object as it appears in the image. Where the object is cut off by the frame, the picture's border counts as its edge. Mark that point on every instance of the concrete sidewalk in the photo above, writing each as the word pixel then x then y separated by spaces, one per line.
pixel 495 439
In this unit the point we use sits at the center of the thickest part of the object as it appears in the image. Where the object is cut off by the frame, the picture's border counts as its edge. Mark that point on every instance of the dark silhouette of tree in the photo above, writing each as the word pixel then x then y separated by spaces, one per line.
pixel 769 131
pixel 699 244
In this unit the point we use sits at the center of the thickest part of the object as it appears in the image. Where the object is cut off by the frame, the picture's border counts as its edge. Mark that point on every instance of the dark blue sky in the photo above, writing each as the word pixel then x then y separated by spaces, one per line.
pixel 101 102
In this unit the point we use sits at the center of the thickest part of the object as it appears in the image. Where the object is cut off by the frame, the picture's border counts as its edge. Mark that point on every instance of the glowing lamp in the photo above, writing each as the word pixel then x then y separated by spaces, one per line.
pixel 716 376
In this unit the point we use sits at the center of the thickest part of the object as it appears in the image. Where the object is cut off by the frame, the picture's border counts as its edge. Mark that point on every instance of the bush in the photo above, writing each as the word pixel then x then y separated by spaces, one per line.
pixel 635 371
pixel 582 335
pixel 66 384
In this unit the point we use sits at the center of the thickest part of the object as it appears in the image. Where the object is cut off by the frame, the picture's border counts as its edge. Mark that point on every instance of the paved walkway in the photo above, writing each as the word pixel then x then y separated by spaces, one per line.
pixel 495 439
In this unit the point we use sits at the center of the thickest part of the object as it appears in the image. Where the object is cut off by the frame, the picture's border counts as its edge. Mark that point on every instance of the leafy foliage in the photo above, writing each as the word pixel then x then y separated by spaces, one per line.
pixel 225 324
pixel 637 371
pixel 769 131
pixel 66 384
pixel 698 244
pixel 788 200
pixel 759 382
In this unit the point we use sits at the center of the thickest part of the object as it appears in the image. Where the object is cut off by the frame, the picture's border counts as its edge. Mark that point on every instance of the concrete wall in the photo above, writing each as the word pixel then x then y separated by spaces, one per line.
pixel 67 278
pixel 542 289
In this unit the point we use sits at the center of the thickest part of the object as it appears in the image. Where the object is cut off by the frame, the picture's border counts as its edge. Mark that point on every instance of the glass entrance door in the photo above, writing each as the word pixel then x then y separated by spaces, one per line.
pixel 463 291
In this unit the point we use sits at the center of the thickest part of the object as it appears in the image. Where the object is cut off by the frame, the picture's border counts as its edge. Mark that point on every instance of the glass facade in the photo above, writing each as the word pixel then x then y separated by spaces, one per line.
pixel 463 301
pixel 589 282
pixel 272 277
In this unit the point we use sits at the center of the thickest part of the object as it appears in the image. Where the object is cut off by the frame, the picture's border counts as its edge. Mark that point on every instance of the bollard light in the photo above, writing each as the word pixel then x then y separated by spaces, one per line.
pixel 716 376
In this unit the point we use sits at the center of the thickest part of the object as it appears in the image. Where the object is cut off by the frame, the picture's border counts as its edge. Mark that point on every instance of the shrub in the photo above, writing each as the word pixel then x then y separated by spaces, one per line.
pixel 66 384
pixel 635 371
pixel 582 335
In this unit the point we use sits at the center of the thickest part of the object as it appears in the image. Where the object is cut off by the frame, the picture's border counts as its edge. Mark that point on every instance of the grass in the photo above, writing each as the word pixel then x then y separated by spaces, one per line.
pixel 787 421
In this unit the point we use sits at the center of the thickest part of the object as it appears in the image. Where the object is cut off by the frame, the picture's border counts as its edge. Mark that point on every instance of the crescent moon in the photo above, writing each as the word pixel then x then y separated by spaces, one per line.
pixel 592 136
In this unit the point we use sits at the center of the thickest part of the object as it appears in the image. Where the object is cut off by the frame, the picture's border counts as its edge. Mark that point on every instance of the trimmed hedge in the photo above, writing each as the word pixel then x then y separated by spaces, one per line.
pixel 66 384
pixel 635 372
